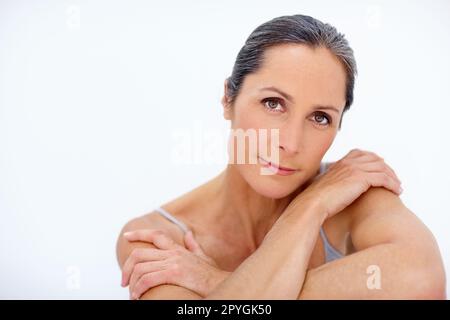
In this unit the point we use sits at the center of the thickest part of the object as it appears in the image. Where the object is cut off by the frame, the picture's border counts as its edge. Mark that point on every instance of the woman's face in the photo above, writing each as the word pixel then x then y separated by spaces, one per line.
pixel 307 116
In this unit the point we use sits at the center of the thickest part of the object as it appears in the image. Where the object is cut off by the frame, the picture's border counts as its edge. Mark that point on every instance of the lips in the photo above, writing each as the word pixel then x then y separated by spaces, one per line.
pixel 279 169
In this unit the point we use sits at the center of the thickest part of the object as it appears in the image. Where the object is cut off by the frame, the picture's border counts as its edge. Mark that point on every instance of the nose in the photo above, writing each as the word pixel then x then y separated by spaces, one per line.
pixel 290 138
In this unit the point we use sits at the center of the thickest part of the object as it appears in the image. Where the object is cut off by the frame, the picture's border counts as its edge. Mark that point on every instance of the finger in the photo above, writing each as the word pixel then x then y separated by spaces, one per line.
pixel 148 280
pixel 192 244
pixel 380 166
pixel 361 157
pixel 354 152
pixel 137 256
pixel 393 172
pixel 141 269
pixel 368 156
pixel 157 237
pixel 382 179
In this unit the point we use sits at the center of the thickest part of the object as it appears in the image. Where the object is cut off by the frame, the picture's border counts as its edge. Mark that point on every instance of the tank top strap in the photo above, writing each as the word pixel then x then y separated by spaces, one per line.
pixel 170 217
pixel 330 252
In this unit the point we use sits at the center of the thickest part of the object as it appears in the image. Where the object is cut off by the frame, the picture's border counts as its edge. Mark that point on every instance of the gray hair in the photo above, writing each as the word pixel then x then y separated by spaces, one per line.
pixel 297 28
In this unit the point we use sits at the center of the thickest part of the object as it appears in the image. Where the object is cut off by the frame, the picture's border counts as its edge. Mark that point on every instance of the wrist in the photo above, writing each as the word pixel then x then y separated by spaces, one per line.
pixel 309 207
pixel 214 280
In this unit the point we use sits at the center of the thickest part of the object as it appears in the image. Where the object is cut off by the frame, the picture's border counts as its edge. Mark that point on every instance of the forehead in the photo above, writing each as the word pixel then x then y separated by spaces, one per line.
pixel 304 72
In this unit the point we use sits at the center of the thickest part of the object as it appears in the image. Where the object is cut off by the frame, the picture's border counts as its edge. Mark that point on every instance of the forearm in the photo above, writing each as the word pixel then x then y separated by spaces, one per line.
pixel 277 269
pixel 384 271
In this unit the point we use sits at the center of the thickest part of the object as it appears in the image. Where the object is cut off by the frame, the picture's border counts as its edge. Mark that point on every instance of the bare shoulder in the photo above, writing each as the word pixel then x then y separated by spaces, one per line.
pixel 377 203
pixel 376 199
pixel 379 215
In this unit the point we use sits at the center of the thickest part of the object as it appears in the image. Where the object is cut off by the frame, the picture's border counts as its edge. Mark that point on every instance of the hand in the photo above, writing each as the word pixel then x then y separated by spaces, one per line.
pixel 345 180
pixel 169 263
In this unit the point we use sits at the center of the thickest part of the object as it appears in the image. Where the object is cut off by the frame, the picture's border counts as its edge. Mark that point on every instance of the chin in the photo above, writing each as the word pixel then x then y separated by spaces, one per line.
pixel 273 193
pixel 272 186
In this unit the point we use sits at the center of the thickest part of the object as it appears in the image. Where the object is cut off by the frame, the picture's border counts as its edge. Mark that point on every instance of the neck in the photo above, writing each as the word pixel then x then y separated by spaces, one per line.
pixel 243 214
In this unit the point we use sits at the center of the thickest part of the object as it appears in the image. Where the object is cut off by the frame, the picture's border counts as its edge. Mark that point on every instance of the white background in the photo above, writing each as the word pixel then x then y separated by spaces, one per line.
pixel 92 92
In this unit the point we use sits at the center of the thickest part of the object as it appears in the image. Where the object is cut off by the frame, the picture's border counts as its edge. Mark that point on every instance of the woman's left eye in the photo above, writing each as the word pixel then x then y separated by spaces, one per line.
pixel 320 117
pixel 272 104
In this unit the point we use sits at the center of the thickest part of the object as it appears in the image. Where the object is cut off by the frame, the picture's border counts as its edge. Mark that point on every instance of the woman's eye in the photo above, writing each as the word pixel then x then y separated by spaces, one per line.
pixel 273 105
pixel 322 119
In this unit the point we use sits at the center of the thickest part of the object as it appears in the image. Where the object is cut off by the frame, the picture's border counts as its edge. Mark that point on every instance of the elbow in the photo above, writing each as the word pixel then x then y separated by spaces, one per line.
pixel 436 290
pixel 429 284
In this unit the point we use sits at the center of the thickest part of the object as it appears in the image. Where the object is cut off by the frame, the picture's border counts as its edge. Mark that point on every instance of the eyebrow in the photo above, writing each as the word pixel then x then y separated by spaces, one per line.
pixel 284 94
pixel 317 107
pixel 291 99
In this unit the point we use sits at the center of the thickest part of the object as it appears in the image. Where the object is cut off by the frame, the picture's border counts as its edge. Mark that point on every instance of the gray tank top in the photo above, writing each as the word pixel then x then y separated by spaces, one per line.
pixel 330 252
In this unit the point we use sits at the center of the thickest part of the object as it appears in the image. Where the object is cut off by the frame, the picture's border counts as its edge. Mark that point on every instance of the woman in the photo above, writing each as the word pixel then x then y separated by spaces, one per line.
pixel 305 230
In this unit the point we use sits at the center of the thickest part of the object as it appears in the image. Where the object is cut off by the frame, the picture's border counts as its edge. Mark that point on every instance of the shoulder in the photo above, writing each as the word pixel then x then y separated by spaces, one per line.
pixel 378 197
pixel 380 216
pixel 375 203
pixel 151 220
pixel 376 216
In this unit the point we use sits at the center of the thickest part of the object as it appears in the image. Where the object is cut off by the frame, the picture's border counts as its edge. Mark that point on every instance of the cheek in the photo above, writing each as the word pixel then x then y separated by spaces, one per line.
pixel 247 117
pixel 317 143
pixel 325 144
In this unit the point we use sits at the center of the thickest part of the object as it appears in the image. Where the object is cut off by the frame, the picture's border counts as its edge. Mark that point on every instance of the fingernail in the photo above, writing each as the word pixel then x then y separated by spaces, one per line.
pixel 401 189
pixel 126 234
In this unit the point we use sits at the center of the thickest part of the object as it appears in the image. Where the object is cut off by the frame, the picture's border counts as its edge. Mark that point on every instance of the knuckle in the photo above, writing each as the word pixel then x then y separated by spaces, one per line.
pixel 177 252
pixel 352 168
pixel 388 171
pixel 175 270
pixel 135 253
pixel 138 253
pixel 138 268
pixel 158 233
pixel 345 162
pixel 176 262
pixel 147 279
pixel 376 156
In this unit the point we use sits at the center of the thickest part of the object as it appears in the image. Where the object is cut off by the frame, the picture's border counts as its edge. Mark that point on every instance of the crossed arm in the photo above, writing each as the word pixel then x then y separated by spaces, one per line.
pixel 396 257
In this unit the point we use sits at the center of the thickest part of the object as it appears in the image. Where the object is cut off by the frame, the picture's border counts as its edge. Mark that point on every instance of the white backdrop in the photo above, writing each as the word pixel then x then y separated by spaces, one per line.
pixel 94 96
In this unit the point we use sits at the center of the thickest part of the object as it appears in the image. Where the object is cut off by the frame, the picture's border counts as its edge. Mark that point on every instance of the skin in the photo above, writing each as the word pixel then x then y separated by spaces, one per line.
pixel 244 206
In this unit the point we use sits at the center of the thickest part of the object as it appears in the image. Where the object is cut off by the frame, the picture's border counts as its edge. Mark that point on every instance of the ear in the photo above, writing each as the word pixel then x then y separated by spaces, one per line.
pixel 227 110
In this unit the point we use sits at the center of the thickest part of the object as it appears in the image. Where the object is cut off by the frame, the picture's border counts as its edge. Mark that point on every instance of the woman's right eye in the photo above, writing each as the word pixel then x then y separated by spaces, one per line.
pixel 271 104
